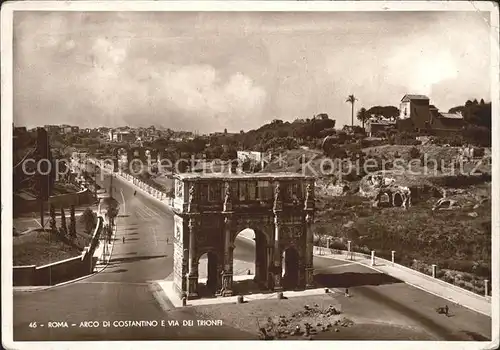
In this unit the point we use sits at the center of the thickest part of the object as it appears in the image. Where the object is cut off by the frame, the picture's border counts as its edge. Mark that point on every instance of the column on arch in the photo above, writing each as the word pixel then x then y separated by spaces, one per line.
pixel 193 263
pixel 227 273
pixel 277 253
pixel 309 222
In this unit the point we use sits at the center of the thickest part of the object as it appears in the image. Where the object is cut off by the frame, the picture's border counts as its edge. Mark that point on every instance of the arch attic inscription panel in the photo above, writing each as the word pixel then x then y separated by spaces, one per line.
pixel 212 209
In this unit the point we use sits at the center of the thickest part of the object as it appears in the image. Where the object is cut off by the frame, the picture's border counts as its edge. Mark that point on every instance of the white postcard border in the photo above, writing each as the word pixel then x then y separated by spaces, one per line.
pixel 6 159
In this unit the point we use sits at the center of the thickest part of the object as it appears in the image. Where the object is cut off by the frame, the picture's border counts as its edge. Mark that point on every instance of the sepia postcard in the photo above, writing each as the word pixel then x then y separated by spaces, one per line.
pixel 215 171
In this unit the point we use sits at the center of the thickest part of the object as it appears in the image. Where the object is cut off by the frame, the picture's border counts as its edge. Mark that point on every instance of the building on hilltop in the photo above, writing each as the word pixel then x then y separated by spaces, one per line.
pixel 121 136
pixel 418 115
pixel 52 128
pixel 416 109
pixel 377 126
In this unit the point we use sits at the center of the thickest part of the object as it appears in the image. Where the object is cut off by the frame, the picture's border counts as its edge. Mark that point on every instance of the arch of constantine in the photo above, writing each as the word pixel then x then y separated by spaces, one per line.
pixel 211 209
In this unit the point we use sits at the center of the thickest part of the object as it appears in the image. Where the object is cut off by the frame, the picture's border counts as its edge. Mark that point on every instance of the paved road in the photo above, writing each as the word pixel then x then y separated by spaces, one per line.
pixel 124 291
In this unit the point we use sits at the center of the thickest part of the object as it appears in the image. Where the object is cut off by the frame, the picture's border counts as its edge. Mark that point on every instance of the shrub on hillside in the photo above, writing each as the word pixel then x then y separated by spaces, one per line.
pixel 405 138
pixel 373 143
pixel 414 153
pixel 337 153
pixel 477 135
pixel 89 220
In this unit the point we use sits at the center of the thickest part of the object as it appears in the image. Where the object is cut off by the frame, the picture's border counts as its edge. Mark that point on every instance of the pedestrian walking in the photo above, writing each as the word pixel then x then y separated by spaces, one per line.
pixel 123 239
pixel 446 310
pixel 347 292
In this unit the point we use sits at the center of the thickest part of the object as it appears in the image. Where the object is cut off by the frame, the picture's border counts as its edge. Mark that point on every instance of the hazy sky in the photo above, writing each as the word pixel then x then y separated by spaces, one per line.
pixel 210 71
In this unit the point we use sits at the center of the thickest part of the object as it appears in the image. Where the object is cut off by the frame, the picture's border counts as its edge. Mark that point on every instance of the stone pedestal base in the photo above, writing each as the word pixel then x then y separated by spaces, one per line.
pixel 227 293
pixel 277 287
pixel 227 285
pixel 192 287
pixel 309 278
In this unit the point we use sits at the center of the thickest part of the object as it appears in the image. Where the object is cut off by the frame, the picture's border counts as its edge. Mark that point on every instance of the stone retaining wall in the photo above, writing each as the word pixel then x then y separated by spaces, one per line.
pixel 60 271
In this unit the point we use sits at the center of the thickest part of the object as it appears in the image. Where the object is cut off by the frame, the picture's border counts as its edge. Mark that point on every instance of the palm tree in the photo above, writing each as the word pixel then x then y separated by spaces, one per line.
pixel 363 116
pixel 352 99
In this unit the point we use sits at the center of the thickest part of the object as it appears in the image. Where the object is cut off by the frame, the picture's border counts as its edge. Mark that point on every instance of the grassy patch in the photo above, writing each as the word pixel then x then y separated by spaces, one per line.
pixel 451 239
pixel 41 247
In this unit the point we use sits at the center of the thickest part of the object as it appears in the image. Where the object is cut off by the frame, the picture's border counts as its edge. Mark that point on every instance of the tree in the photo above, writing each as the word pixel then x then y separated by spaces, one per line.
pixel 389 112
pixel 64 228
pixel 72 222
pixel 89 220
pixel 352 99
pixel 53 226
pixel 45 176
pixel 363 116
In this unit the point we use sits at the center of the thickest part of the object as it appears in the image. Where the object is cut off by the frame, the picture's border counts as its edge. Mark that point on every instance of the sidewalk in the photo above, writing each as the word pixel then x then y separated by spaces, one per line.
pixel 104 246
pixel 168 288
pixel 419 280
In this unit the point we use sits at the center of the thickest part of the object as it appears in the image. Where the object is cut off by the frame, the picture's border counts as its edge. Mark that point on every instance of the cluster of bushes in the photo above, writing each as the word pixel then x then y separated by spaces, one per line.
pixel 403 138
pixel 450 239
pixel 372 143
pixel 479 136
pixel 456 140
pixel 460 181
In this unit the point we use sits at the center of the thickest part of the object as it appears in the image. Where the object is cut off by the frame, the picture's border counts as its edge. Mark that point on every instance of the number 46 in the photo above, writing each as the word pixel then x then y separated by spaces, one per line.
pixel 33 325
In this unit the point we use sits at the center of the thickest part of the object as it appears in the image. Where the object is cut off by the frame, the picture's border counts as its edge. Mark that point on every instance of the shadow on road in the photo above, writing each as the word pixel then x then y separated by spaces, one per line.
pixel 118 271
pixel 132 239
pixel 132 234
pixel 474 336
pixel 136 258
pixel 353 279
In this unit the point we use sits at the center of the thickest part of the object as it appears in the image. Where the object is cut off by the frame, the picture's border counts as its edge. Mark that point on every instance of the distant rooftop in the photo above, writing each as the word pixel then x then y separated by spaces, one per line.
pixel 260 176
pixel 452 115
pixel 415 97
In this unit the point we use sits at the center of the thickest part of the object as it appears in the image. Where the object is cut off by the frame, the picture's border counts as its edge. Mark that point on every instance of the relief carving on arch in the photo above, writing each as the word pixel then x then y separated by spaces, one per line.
pixel 191 194
pixel 227 197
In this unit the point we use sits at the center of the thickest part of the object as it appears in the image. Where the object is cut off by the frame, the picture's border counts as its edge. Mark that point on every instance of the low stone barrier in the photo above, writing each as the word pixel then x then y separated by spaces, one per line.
pixel 146 188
